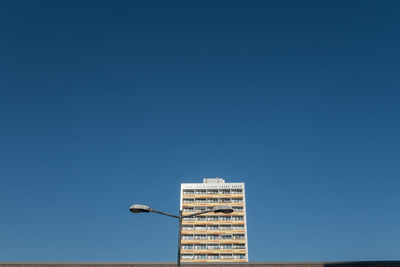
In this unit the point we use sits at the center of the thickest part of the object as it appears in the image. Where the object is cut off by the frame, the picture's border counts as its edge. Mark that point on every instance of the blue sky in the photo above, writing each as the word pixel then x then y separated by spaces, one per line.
pixel 107 103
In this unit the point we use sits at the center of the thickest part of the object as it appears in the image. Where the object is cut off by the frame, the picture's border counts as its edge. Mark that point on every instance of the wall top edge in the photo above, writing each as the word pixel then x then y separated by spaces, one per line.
pixel 168 263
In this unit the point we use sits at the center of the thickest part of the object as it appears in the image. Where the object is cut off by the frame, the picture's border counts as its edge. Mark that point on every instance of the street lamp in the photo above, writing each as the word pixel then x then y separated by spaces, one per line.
pixel 139 208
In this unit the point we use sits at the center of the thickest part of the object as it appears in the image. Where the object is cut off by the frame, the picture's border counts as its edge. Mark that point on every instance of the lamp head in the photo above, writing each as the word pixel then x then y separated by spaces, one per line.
pixel 138 208
pixel 224 209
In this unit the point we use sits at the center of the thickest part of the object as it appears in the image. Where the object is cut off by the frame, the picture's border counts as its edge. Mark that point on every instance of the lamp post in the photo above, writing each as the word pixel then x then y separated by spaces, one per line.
pixel 139 208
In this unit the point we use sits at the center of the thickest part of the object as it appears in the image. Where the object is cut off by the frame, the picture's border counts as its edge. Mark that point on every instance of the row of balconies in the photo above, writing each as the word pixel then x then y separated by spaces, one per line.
pixel 215 218
pixel 212 191
pixel 213 200
pixel 204 208
pixel 213 236
pixel 213 246
pixel 213 250
pixel 213 256
pixel 234 216
pixel 212 227
pixel 218 241
pixel 215 232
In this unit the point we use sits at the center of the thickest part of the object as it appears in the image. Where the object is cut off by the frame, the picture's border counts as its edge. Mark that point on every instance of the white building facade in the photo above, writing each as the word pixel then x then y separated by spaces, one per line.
pixel 214 237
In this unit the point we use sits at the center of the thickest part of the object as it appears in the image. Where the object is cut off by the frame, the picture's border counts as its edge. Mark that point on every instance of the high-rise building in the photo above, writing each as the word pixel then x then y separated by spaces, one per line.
pixel 213 237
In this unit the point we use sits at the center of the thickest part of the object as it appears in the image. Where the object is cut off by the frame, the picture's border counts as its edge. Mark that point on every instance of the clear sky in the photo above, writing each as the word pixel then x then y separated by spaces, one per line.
pixel 108 103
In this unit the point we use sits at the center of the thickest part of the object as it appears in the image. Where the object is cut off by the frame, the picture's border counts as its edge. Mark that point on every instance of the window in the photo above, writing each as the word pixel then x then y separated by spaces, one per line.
pixel 226 256
pixel 237 218
pixel 239 246
pixel 188 192
pixel 200 246
pixel 201 218
pixel 212 191
pixel 238 227
pixel 237 200
pixel 201 200
pixel 213 246
pixel 188 219
pixel 225 191
pixel 239 256
pixel 187 256
pixel 187 246
pixel 238 236
pixel 187 237
pixel 213 200
pixel 188 200
pixel 237 208
pixel 212 236
pixel 225 227
pixel 237 191
pixel 200 227
pixel 201 192
pixel 188 209
pixel 200 236
pixel 226 246
pixel 187 227
pixel 224 200
pixel 225 218
pixel 212 218
pixel 212 227
pixel 201 208
pixel 226 236
pixel 212 256
pixel 200 256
